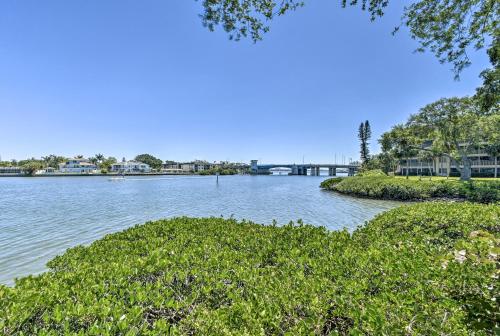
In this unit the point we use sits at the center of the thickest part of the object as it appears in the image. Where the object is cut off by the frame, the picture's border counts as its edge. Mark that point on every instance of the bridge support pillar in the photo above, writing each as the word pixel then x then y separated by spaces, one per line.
pixel 351 172
pixel 332 171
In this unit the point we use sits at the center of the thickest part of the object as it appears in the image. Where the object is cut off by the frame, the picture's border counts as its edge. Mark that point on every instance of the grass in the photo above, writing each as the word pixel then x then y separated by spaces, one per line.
pixel 400 188
pixel 424 269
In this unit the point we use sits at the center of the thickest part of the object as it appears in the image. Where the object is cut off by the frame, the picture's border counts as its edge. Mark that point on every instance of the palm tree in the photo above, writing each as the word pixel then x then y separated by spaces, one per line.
pixel 93 160
pixel 99 157
pixel 47 160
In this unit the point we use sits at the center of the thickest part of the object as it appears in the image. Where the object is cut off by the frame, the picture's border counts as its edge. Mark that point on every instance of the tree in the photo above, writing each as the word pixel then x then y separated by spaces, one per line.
pixel 491 127
pixel 47 160
pixel 93 160
pixel 398 143
pixel 446 28
pixel 428 157
pixel 488 94
pixel 107 163
pixel 364 134
pixel 99 157
pixel 453 127
pixel 149 159
pixel 389 155
pixel 382 161
pixel 53 160
pixel 31 167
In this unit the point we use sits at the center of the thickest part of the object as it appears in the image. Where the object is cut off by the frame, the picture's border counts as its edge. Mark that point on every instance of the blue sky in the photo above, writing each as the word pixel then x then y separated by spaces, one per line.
pixel 124 77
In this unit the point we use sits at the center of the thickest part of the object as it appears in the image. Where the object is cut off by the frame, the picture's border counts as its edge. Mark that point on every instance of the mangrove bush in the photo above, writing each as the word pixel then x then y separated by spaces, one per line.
pixel 424 269
pixel 386 187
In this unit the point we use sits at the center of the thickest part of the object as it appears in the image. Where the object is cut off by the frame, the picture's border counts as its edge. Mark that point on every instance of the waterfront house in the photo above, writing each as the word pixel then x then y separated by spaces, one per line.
pixel 130 167
pixel 77 166
pixel 45 171
pixel 11 171
pixel 198 166
pixel 188 167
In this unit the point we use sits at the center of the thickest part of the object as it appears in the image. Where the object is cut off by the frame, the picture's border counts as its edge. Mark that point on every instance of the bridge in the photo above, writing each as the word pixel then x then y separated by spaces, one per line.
pixel 301 169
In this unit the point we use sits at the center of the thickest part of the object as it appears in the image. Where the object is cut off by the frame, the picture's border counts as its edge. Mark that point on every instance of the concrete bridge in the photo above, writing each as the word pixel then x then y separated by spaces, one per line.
pixel 301 169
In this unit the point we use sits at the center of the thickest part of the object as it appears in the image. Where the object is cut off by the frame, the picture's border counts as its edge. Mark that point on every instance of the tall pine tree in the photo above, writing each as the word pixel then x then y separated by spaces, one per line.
pixel 364 134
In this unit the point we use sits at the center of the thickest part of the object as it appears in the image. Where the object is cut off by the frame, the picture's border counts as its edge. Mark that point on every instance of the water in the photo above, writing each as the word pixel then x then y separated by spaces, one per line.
pixel 42 217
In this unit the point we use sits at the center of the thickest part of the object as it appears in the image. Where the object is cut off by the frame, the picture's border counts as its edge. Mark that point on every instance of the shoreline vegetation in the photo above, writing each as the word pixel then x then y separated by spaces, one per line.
pixel 419 268
pixel 377 185
pixel 110 174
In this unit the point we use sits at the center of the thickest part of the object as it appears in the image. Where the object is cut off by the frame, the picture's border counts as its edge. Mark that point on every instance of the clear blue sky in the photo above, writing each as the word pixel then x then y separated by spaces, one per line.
pixel 124 77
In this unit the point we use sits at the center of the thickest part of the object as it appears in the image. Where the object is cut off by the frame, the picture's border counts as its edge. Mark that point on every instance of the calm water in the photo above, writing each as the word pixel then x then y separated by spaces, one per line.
pixel 42 217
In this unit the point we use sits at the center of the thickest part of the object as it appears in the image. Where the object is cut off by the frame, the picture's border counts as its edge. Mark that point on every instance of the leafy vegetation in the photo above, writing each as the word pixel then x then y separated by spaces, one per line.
pixel 372 172
pixel 53 160
pixel 364 135
pixel 220 171
pixel 451 127
pixel 446 28
pixel 329 183
pixel 386 187
pixel 149 159
pixel 30 168
pixel 424 269
pixel 105 164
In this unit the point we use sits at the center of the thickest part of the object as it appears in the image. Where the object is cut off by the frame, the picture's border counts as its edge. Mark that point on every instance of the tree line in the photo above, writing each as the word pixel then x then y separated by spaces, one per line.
pixel 30 166
pixel 450 127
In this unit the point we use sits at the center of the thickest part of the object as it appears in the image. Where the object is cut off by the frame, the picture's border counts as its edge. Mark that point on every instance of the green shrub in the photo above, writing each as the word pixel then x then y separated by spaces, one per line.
pixel 424 269
pixel 214 171
pixel 385 187
pixel 326 184
pixel 372 172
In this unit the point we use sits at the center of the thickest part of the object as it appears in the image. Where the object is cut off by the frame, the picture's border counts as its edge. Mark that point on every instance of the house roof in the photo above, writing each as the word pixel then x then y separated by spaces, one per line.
pixel 131 162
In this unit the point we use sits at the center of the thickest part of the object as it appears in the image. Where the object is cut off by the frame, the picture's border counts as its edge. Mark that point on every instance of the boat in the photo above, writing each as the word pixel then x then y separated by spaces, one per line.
pixel 279 171
pixel 120 177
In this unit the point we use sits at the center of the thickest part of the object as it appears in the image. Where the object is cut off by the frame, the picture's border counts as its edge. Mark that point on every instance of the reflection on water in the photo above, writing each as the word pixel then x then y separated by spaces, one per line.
pixel 42 217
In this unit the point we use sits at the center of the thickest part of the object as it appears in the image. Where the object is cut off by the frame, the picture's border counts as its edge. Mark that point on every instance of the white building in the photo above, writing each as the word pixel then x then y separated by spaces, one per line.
pixel 482 165
pixel 131 167
pixel 77 166
pixel 11 170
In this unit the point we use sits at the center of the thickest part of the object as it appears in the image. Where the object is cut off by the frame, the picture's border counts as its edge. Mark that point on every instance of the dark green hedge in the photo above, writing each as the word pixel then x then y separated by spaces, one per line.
pixel 424 269
pixel 386 187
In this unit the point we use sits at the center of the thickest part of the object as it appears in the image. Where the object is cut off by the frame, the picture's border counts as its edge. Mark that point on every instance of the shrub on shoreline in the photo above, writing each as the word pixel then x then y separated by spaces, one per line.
pixel 421 269
pixel 385 187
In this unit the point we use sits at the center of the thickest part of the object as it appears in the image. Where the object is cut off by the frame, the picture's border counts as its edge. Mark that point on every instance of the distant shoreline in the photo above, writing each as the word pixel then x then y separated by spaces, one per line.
pixel 97 174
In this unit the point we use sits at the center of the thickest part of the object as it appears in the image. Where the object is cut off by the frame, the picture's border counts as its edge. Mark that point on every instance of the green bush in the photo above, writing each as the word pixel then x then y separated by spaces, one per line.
pixel 372 172
pixel 385 187
pixel 329 183
pixel 227 171
pixel 424 269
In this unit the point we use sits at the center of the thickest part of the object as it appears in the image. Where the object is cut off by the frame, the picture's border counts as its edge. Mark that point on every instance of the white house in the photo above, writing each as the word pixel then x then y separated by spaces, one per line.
pixel 131 167
pixel 77 166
